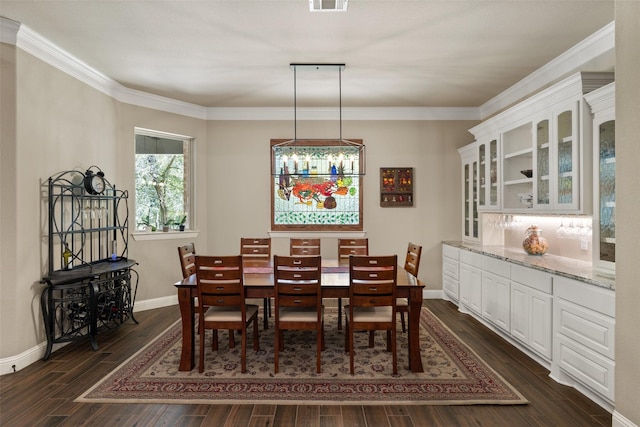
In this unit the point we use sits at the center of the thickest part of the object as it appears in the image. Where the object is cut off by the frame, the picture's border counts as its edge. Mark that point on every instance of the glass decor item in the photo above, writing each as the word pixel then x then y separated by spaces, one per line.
pixel 534 243
pixel 326 199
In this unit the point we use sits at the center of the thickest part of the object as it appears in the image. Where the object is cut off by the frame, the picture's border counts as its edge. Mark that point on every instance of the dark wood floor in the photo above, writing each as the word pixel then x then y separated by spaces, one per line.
pixel 42 394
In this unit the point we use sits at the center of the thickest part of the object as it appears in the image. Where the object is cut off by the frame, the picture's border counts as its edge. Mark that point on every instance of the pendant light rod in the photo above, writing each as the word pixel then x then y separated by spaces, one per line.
pixel 295 106
pixel 340 91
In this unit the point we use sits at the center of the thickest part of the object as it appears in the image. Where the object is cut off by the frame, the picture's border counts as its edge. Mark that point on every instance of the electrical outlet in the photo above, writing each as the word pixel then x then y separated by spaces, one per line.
pixel 584 244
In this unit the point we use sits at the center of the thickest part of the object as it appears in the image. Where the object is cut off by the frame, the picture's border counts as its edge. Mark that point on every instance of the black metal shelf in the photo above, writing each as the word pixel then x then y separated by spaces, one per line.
pixel 89 287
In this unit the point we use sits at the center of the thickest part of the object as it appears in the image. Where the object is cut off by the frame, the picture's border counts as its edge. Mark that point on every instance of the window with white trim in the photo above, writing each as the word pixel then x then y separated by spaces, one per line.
pixel 163 190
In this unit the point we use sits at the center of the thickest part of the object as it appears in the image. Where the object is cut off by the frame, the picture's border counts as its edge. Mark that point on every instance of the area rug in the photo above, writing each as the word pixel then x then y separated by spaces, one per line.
pixel 453 373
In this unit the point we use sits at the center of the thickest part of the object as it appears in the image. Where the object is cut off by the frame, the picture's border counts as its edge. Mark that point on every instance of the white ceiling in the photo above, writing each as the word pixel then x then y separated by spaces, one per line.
pixel 236 53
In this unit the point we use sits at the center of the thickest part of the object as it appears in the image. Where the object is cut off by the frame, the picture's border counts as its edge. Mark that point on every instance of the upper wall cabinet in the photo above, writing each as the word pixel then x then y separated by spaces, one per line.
pixel 542 148
pixel 470 180
pixel 488 189
pixel 602 103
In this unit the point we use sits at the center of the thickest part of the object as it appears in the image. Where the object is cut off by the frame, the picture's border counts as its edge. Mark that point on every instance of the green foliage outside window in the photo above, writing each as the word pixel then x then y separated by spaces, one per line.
pixel 160 190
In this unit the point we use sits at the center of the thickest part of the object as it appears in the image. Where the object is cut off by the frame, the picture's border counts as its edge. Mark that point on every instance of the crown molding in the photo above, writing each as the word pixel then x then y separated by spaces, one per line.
pixel 8 30
pixel 600 44
pixel 602 98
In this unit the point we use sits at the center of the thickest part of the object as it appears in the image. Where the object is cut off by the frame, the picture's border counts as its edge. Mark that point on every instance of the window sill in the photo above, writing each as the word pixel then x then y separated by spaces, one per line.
pixel 164 235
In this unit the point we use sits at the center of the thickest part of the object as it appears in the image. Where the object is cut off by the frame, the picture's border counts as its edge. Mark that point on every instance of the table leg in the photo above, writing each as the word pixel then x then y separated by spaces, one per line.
pixel 415 306
pixel 187 313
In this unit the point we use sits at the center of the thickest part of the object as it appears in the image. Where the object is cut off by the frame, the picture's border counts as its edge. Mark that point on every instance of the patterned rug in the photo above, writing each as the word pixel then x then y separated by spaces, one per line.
pixel 454 374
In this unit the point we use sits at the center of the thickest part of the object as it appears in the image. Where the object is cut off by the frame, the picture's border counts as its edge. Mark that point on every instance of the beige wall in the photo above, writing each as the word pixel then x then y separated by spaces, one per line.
pixel 63 124
pixel 238 169
pixel 627 203
pixel 8 193
pixel 158 261
pixel 60 124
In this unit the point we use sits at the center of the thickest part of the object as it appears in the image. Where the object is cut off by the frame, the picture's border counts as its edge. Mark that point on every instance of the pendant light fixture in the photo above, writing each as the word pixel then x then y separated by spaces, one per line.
pixel 327 156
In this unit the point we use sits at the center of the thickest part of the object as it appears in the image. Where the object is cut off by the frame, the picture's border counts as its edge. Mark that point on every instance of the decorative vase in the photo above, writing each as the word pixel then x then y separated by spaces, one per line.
pixel 535 244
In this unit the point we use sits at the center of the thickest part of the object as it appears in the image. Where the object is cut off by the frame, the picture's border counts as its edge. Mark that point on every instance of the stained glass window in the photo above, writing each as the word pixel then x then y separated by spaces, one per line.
pixel 316 185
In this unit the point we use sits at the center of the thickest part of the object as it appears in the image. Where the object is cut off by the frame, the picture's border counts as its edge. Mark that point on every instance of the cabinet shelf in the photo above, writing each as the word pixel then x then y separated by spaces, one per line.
pixel 523 152
pixel 519 181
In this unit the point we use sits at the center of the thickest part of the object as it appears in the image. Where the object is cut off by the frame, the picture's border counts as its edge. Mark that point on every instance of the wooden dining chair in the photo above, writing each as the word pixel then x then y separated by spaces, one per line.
pixel 187 254
pixel 304 247
pixel 411 265
pixel 346 248
pixel 221 293
pixel 298 300
pixel 258 250
pixel 372 301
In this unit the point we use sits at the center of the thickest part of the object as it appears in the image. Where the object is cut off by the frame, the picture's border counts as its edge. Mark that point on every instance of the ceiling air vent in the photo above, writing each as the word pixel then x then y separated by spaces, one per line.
pixel 328 5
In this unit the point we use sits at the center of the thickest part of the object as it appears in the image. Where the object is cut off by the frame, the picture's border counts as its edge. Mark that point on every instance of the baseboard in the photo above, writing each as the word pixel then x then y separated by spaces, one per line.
pixel 618 420
pixel 9 365
pixel 150 304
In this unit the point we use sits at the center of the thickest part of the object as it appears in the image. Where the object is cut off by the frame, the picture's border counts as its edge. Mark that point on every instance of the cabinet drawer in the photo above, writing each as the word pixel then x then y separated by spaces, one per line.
pixel 590 296
pixel 588 367
pixel 450 268
pixel 471 258
pixel 533 278
pixel 593 330
pixel 450 287
pixel 450 252
pixel 496 266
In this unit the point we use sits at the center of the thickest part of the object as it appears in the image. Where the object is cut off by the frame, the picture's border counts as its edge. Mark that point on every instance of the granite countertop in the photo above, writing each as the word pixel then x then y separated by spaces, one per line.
pixel 562 266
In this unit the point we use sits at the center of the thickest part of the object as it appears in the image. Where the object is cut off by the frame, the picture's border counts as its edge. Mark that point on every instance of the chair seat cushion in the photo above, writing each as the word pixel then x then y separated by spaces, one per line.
pixel 302 314
pixel 229 314
pixel 402 302
pixel 370 314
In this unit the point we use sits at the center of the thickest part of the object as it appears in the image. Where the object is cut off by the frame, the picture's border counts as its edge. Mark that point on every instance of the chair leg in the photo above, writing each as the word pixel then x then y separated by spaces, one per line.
pixel 319 344
pixel 371 338
pixel 266 312
pixel 201 361
pixel 256 343
pixel 339 314
pixel 232 341
pixel 404 328
pixel 351 350
pixel 394 351
pixel 214 343
pixel 276 350
pixel 389 343
pixel 243 354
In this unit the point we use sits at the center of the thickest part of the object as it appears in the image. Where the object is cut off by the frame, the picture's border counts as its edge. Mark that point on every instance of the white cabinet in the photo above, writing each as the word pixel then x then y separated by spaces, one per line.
pixel 450 272
pixel 471 281
pixel 531 309
pixel 584 334
pixel 488 174
pixel 496 295
pixel 517 149
pixel 544 147
pixel 470 225
pixel 557 159
pixel 602 102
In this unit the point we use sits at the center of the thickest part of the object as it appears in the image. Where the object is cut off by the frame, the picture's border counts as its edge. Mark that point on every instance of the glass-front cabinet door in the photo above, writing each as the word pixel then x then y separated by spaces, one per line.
pixel 602 103
pixel 470 191
pixel 542 161
pixel 566 192
pixel 607 191
pixel 488 196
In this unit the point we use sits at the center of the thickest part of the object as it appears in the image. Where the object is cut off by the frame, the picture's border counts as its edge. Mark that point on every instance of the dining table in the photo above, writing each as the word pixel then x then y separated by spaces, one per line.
pixel 258 282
